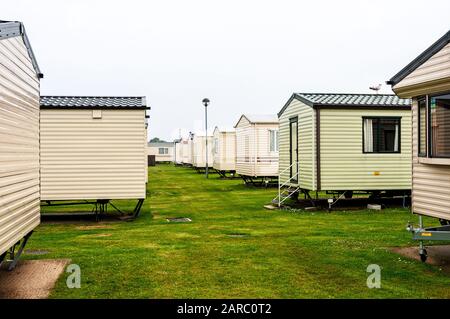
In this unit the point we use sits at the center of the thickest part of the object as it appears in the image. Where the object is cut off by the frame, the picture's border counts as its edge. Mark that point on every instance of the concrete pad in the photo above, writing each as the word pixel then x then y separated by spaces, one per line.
pixel 437 255
pixel 31 279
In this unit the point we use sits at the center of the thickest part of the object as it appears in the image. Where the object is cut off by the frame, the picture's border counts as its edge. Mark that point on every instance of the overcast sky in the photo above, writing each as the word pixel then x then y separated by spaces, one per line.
pixel 246 56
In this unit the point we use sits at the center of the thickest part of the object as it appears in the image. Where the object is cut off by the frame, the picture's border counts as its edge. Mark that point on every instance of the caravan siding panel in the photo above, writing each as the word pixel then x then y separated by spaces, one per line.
pixel 344 166
pixel 306 144
pixel 266 161
pixel 87 158
pixel 245 151
pixel 224 151
pixel 19 143
pixel 437 68
pixel 253 156
pixel 199 145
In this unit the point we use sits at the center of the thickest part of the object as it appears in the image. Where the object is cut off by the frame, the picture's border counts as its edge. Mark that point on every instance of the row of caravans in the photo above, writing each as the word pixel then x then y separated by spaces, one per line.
pixel 369 142
pixel 250 149
pixel 60 148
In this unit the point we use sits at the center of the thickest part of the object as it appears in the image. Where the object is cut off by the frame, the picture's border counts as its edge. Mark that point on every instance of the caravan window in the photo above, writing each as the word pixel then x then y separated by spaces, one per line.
pixel 273 139
pixel 381 135
pixel 163 151
pixel 440 125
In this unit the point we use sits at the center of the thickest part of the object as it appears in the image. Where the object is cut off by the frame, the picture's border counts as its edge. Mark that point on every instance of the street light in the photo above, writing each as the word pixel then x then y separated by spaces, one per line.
pixel 206 103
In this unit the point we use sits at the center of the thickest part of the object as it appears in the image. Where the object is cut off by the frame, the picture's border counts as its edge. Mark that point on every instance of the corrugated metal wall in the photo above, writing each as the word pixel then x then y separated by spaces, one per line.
pixel 19 143
pixel 253 156
pixel 306 144
pixel 225 155
pixel 344 166
pixel 87 158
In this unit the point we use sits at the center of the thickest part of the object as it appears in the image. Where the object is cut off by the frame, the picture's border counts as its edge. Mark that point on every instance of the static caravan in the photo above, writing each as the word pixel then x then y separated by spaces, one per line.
pixel 93 149
pixel 224 151
pixel 427 81
pixel 186 157
pixel 345 143
pixel 163 151
pixel 257 149
pixel 19 140
pixel 200 159
pixel 177 152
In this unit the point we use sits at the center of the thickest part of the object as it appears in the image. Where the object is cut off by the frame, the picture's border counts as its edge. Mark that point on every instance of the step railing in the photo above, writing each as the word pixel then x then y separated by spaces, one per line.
pixel 281 185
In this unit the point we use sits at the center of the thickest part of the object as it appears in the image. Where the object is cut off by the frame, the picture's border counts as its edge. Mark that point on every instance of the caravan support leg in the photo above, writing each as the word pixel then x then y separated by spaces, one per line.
pixel 15 256
pixel 138 207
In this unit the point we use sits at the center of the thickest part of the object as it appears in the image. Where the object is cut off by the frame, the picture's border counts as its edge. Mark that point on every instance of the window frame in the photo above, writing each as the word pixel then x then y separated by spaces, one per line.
pixel 419 100
pixel 276 148
pixel 399 118
pixel 429 128
pixel 164 149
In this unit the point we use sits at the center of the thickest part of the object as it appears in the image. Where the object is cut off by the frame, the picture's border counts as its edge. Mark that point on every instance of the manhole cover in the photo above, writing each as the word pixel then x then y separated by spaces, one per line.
pixel 179 220
pixel 36 252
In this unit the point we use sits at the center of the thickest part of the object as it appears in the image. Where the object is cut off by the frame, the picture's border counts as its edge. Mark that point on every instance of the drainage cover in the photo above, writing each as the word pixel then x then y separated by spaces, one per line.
pixel 238 235
pixel 179 220
pixel 36 252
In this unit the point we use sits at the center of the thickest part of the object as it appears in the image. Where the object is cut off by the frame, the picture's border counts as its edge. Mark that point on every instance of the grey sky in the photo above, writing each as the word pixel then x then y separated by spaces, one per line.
pixel 246 56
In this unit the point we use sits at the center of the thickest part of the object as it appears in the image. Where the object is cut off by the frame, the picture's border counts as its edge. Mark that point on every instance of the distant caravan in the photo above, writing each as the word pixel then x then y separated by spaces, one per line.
pixel 257 149
pixel 224 152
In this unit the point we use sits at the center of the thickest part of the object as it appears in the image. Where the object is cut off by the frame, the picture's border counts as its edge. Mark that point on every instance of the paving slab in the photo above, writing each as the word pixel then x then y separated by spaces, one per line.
pixel 31 279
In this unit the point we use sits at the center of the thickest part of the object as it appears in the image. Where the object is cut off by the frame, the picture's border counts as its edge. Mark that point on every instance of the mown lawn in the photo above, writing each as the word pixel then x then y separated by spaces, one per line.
pixel 283 255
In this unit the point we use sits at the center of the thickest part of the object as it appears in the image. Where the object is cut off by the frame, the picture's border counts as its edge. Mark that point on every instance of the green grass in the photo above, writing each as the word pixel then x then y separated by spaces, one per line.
pixel 285 255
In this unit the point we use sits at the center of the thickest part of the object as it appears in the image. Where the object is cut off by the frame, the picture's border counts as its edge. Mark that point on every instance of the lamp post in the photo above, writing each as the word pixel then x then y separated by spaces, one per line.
pixel 206 103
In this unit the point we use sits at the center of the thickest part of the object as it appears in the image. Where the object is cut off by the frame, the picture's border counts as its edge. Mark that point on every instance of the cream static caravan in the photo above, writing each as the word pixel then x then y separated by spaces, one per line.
pixel 19 140
pixel 427 81
pixel 224 151
pixel 163 151
pixel 185 149
pixel 345 143
pixel 257 148
pixel 93 149
pixel 202 154
pixel 177 152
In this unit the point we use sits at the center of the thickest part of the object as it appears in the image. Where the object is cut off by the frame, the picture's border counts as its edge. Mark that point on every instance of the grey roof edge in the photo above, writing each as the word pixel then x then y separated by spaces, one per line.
pixel 9 29
pixel 301 98
pixel 251 122
pixel 420 59
pixel 143 102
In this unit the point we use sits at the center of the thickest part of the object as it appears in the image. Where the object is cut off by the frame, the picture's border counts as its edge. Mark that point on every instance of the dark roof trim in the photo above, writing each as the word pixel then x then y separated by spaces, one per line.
pixel 61 103
pixel 310 103
pixel 10 29
pixel 421 59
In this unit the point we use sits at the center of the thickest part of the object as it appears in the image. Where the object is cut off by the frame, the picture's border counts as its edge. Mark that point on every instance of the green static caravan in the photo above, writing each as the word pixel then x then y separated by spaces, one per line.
pixel 426 80
pixel 345 143
pixel 19 140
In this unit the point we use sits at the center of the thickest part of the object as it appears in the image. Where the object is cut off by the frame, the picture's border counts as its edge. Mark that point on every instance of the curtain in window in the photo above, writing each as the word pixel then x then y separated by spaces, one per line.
pixel 396 138
pixel 368 135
